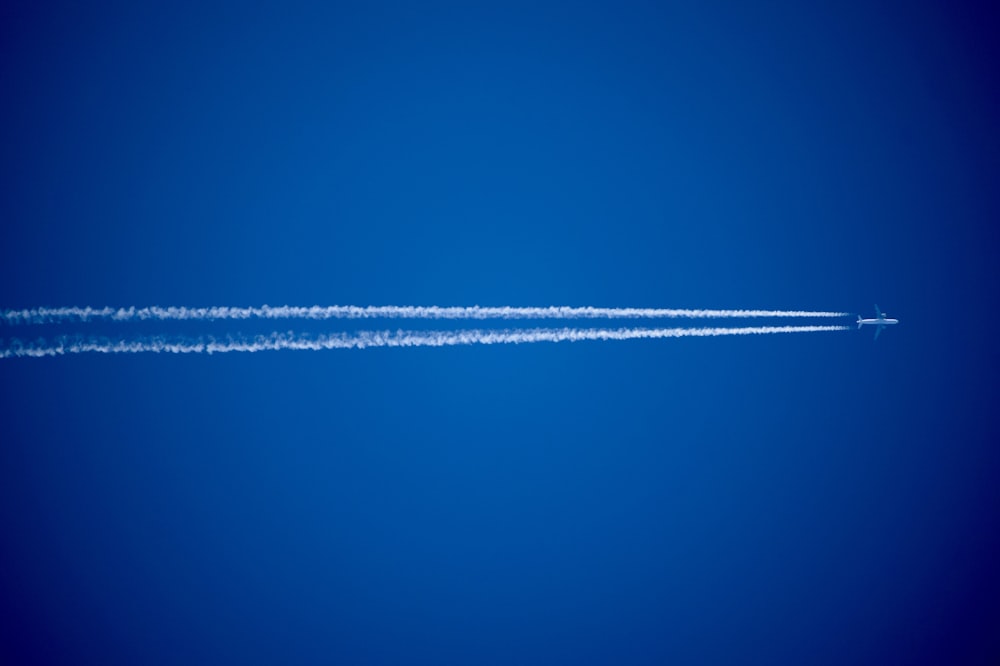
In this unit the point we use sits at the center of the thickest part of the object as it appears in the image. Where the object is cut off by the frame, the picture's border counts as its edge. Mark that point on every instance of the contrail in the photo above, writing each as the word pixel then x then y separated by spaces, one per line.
pixel 52 315
pixel 367 339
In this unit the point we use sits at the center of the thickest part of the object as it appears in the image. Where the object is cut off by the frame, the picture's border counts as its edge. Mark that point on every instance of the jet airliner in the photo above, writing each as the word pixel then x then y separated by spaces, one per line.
pixel 879 322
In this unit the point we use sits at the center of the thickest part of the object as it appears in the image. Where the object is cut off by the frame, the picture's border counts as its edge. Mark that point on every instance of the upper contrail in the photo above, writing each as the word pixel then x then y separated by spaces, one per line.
pixel 51 315
pixel 366 339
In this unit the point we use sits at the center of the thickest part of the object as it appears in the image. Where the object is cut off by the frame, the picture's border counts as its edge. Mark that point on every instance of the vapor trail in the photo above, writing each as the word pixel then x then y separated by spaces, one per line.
pixel 367 339
pixel 51 315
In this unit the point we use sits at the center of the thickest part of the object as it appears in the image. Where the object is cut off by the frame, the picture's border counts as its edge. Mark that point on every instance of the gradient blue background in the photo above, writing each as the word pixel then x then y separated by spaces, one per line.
pixel 793 499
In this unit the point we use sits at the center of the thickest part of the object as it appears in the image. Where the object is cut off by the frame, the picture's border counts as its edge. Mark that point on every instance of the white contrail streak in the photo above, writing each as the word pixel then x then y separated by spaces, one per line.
pixel 50 315
pixel 366 339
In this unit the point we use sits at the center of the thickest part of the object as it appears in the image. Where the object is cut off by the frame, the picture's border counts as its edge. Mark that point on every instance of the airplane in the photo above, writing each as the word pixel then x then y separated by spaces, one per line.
pixel 880 321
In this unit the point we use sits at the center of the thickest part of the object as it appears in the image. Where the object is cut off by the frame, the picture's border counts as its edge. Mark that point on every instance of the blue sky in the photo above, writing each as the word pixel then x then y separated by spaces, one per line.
pixel 784 499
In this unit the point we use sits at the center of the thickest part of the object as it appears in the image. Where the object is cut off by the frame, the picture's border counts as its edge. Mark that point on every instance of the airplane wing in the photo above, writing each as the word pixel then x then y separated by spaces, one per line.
pixel 878 329
pixel 878 313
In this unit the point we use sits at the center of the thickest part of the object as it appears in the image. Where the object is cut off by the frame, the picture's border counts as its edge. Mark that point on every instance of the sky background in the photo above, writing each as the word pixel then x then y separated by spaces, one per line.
pixel 815 498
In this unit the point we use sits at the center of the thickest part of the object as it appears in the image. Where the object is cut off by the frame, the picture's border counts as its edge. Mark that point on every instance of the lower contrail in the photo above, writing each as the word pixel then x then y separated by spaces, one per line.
pixel 53 315
pixel 368 339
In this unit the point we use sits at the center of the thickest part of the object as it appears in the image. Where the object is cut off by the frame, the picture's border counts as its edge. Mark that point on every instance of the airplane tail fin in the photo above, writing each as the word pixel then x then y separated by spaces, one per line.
pixel 859 322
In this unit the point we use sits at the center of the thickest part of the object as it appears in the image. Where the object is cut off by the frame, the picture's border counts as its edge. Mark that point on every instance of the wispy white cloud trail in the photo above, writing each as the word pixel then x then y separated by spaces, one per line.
pixel 51 315
pixel 367 339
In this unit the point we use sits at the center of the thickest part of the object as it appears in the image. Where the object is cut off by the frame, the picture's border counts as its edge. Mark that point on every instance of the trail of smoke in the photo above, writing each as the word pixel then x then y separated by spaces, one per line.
pixel 49 315
pixel 366 339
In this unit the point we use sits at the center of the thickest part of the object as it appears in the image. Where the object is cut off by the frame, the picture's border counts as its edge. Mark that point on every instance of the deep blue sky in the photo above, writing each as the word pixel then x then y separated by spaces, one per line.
pixel 808 499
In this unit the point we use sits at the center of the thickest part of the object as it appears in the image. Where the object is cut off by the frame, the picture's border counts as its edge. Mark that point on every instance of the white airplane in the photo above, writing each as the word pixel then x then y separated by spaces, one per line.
pixel 880 321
